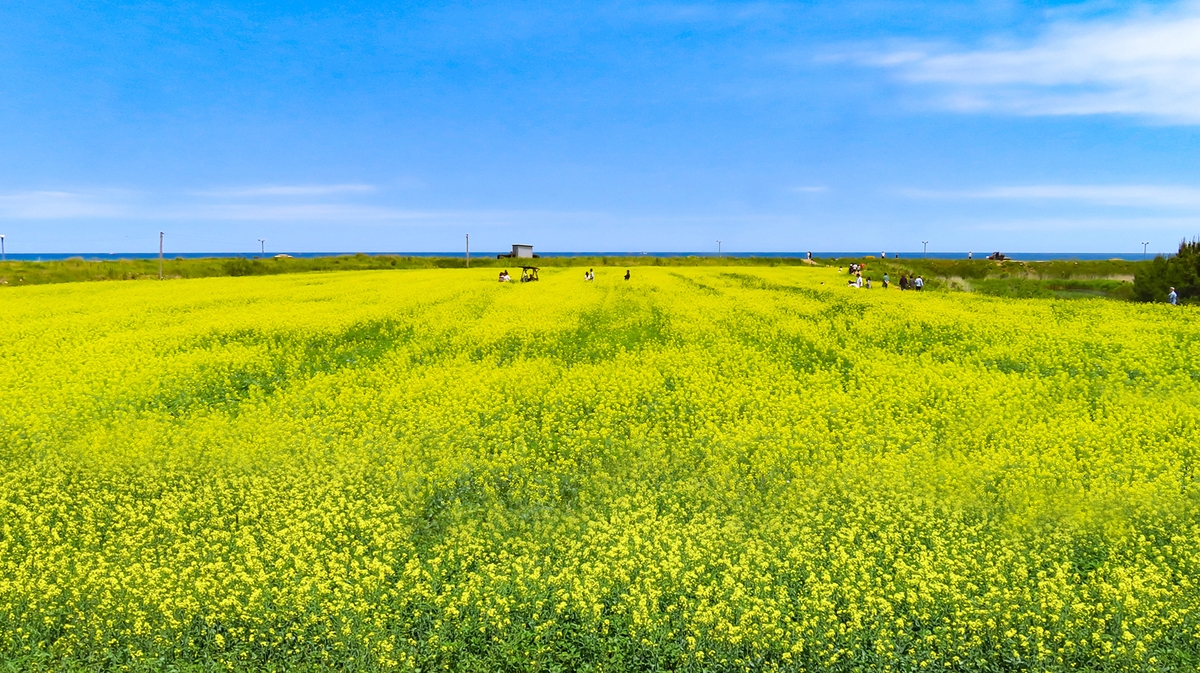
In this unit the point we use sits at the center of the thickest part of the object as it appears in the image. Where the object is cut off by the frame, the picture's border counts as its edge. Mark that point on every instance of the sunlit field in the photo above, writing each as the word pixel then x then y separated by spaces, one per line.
pixel 730 469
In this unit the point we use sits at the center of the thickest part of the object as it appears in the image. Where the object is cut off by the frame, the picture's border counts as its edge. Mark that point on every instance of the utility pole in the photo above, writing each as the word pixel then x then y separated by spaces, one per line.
pixel 468 251
pixel 262 245
pixel 718 249
pixel 924 248
pixel 3 257
pixel 1144 244
pixel 160 243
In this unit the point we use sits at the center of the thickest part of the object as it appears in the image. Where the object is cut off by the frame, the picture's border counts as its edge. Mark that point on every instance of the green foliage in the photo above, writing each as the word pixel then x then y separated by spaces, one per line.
pixel 16 274
pixel 983 268
pixel 1046 289
pixel 245 267
pixel 1181 271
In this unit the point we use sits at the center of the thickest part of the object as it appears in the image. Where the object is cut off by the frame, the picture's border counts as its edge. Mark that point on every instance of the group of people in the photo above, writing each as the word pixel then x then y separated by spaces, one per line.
pixel 858 281
pixel 591 275
pixel 856 277
pixel 587 275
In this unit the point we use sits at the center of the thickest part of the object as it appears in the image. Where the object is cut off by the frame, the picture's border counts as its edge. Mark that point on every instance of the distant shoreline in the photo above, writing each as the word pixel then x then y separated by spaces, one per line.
pixel 1014 256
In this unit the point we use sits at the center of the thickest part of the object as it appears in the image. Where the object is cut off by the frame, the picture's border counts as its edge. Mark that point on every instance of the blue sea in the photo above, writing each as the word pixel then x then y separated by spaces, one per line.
pixel 1019 256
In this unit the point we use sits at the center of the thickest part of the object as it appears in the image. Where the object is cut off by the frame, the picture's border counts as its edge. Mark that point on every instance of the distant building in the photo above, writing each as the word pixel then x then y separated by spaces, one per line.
pixel 519 250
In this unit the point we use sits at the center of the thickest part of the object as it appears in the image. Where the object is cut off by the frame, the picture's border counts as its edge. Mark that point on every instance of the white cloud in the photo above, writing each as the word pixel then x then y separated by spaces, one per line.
pixel 293 206
pixel 288 190
pixel 1145 64
pixel 1108 195
pixel 1170 228
pixel 40 205
pixel 291 211
pixel 342 212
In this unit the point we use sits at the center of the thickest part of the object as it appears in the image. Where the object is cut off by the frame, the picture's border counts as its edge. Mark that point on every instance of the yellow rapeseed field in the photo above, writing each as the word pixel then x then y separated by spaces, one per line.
pixel 697 469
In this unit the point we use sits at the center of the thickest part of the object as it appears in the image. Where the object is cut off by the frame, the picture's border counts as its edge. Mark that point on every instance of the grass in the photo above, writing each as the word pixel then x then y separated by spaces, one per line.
pixel 15 274
pixel 1022 288
pixel 1063 279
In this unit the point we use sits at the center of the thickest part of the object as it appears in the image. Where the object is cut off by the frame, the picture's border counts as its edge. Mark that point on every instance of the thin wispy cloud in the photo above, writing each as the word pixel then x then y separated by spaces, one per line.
pixel 343 212
pixel 810 189
pixel 310 212
pixel 288 190
pixel 297 206
pixel 1108 195
pixel 1159 226
pixel 1145 64
pixel 49 204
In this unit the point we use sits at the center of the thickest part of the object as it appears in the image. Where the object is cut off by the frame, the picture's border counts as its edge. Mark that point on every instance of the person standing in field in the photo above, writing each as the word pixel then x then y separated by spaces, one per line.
pixel 868 282
pixel 919 283
pixel 1173 297
pixel 886 280
pixel 626 274
pixel 903 282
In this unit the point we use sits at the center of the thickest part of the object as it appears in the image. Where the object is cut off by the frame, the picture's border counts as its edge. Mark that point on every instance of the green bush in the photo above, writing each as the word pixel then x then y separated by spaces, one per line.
pixel 1181 271
pixel 245 267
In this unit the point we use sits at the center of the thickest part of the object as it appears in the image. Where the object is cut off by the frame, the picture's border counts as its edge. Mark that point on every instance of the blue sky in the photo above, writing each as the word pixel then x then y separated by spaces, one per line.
pixel 606 126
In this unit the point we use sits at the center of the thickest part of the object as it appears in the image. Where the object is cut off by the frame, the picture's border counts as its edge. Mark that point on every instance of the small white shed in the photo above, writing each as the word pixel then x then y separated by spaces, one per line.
pixel 522 250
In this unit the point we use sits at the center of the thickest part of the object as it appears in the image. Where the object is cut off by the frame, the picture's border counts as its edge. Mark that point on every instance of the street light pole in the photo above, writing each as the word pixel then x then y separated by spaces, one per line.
pixel 160 246
pixel 924 247
pixel 3 256
pixel 718 249
pixel 1144 244
pixel 262 246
